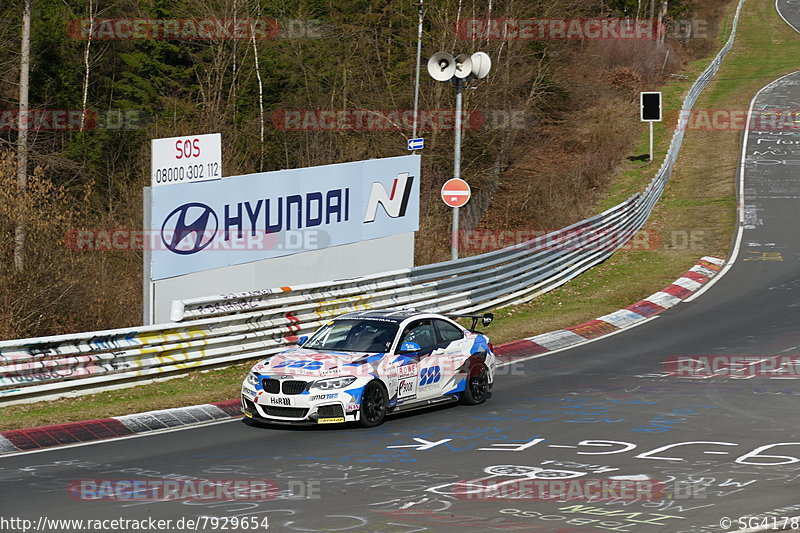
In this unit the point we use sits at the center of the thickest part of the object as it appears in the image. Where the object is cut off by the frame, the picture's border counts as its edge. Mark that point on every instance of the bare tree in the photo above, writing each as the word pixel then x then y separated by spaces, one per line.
pixel 22 140
pixel 662 13
pixel 260 99
pixel 86 65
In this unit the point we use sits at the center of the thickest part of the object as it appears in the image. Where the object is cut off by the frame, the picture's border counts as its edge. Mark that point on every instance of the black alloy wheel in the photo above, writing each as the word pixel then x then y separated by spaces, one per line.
pixel 477 388
pixel 374 404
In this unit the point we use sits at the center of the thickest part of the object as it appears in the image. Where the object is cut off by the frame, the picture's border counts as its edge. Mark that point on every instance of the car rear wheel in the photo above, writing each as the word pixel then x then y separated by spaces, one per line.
pixel 374 403
pixel 477 387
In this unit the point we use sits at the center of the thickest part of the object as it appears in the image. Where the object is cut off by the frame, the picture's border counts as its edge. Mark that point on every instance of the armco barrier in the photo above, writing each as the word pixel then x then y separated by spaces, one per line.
pixel 213 331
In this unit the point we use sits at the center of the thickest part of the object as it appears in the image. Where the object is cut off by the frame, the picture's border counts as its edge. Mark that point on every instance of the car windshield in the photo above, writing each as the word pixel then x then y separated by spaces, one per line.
pixel 350 335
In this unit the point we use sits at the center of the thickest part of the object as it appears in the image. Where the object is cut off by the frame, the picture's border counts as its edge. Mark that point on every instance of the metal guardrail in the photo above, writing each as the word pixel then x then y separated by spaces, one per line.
pixel 217 330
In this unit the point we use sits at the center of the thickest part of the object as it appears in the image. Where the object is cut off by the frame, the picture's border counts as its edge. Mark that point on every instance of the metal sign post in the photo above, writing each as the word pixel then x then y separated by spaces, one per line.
pixel 456 166
pixel 650 111
pixel 421 11
pixel 461 69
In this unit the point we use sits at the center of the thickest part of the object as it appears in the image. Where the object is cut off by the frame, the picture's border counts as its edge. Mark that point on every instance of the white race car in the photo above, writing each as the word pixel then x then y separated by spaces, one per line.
pixel 362 366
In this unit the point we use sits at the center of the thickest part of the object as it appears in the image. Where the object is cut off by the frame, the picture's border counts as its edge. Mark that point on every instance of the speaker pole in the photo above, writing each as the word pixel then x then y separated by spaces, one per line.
pixel 444 67
pixel 456 166
pixel 419 56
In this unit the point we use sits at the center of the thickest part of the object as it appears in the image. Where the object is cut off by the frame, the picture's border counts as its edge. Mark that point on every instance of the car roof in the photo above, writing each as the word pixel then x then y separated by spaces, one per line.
pixel 393 315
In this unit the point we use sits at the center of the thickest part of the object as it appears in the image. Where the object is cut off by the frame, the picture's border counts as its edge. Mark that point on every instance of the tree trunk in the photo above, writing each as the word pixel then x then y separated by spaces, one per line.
pixel 260 101
pixel 662 14
pixel 22 139
pixel 86 65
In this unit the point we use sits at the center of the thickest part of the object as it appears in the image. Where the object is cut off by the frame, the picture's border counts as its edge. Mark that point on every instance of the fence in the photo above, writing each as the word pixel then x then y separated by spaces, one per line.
pixel 217 330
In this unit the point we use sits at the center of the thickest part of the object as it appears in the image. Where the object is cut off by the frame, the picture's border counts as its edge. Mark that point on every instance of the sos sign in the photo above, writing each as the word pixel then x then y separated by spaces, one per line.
pixel 186 148
pixel 186 159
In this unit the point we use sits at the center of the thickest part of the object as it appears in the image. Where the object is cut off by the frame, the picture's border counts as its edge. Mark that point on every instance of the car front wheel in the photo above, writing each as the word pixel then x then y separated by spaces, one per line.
pixel 477 387
pixel 374 402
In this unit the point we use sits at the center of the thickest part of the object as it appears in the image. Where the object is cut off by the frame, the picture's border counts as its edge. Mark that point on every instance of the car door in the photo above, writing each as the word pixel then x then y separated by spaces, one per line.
pixel 450 352
pixel 427 382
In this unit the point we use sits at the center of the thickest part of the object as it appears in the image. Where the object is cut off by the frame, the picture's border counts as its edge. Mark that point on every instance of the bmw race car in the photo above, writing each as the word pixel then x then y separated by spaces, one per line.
pixel 361 366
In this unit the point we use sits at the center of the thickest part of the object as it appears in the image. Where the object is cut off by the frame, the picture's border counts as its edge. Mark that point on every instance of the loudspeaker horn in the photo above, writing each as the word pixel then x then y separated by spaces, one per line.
pixel 441 66
pixel 463 66
pixel 481 65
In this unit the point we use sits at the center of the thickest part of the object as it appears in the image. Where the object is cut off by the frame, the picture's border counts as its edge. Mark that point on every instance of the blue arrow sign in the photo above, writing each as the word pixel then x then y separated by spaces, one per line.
pixel 416 144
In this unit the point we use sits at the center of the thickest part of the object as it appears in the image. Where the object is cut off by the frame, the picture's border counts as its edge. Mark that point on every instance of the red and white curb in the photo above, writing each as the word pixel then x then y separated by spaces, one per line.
pixel 38 438
pixel 18 440
pixel 685 286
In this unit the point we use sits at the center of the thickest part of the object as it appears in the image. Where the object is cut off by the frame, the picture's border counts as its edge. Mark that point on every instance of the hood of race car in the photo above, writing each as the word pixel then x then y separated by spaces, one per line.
pixel 311 363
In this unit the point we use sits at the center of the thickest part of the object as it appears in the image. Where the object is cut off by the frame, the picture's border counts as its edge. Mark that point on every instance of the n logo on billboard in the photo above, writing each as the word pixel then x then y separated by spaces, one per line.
pixel 394 203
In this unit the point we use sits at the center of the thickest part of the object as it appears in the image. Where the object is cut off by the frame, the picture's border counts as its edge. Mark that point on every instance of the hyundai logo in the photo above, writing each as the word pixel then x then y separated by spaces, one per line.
pixel 192 219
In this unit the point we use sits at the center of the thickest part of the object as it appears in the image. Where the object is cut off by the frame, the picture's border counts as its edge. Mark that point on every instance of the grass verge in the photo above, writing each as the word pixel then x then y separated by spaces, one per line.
pixel 695 217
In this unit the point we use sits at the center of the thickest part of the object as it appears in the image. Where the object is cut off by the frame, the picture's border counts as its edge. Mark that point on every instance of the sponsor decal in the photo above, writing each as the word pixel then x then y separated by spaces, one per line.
pixel 251 392
pixel 330 420
pixel 430 375
pixel 407 389
pixel 299 363
pixel 324 396
pixel 406 371
pixel 352 407
pixel 277 400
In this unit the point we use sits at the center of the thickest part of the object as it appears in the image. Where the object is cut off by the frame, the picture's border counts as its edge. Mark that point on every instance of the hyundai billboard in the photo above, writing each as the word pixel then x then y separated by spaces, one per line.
pixel 240 219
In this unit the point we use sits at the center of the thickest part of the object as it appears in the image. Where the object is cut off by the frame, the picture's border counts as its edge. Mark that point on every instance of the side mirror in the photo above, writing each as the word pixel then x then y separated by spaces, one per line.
pixel 409 347
pixel 487 319
pixel 302 340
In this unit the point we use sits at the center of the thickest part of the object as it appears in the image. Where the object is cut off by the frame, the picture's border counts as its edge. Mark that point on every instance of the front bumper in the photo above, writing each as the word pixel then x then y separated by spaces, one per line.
pixel 300 408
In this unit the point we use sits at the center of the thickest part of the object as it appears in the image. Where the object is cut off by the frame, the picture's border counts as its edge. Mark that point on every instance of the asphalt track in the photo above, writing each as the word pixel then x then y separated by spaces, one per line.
pixel 790 11
pixel 722 446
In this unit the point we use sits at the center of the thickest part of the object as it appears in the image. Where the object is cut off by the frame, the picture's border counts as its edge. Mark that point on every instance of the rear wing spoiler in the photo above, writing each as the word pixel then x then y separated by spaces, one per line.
pixel 485 319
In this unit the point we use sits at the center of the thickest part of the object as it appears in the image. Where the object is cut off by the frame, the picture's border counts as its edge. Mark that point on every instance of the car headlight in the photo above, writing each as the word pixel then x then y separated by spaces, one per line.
pixel 333 383
pixel 252 379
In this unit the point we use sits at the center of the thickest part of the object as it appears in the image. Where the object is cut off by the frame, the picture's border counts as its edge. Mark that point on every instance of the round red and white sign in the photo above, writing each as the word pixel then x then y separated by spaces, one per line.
pixel 456 192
